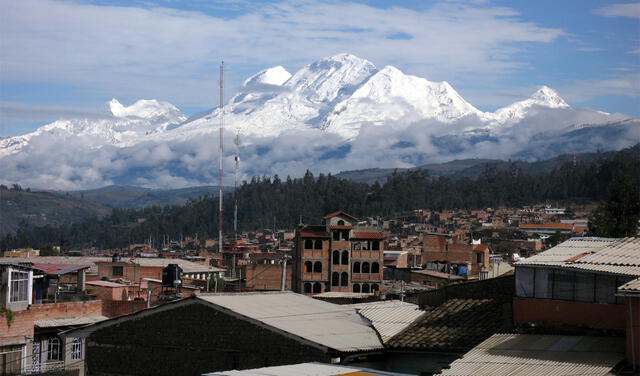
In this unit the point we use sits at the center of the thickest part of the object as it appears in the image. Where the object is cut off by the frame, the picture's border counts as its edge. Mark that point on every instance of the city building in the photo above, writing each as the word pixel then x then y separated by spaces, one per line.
pixel 339 256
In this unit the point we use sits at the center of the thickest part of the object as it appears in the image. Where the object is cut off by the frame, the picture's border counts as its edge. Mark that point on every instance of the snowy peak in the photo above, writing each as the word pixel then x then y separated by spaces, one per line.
pixel 545 96
pixel 271 76
pixel 326 78
pixel 146 109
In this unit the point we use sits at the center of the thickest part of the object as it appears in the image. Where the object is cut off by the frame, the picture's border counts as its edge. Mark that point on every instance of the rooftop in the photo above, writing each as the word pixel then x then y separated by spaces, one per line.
pixel 454 326
pixel 69 321
pixel 59 269
pixel 330 325
pixel 389 317
pixel 540 355
pixel 617 256
pixel 307 369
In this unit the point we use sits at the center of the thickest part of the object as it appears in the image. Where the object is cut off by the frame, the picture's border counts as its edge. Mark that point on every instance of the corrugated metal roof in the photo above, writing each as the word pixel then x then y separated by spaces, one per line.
pixel 543 355
pixel 327 324
pixel 618 256
pixel 306 369
pixel 105 284
pixel 633 286
pixel 390 318
pixel 69 321
pixel 342 294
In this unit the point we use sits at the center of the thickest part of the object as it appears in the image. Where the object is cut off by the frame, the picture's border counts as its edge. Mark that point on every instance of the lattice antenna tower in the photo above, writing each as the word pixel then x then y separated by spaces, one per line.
pixel 221 174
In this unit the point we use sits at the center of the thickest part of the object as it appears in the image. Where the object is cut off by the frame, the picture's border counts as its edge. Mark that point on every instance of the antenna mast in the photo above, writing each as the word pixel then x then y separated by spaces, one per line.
pixel 235 190
pixel 221 182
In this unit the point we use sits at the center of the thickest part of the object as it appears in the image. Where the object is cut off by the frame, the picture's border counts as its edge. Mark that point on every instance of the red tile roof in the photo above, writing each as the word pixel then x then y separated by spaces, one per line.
pixel 339 213
pixel 336 227
pixel 313 234
pixel 567 226
pixel 60 269
pixel 367 235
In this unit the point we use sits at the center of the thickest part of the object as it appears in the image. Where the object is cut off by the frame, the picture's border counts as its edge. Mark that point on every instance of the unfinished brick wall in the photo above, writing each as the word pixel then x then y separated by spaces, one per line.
pixel 191 340
pixel 115 308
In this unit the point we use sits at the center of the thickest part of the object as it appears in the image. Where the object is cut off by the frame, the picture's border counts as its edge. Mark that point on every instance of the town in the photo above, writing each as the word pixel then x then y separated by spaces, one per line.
pixel 452 292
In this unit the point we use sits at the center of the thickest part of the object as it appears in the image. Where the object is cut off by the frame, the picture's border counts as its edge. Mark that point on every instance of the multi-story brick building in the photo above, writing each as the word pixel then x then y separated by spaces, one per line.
pixel 338 256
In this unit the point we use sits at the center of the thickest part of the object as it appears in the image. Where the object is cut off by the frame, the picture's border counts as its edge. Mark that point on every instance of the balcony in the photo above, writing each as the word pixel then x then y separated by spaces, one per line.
pixel 38 368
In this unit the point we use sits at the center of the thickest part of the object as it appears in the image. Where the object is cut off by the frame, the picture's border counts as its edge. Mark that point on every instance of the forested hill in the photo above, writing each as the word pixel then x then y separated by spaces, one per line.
pixel 287 200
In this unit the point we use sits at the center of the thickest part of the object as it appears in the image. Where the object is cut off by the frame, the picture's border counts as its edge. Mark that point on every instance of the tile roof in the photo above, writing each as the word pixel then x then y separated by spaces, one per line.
pixel 59 269
pixel 328 216
pixel 454 326
pixel 540 355
pixel 367 235
pixel 330 325
pixel 565 226
pixel 606 255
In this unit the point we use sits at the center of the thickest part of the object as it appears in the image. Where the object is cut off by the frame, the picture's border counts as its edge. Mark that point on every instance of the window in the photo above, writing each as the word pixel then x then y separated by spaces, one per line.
pixel 307 288
pixel 117 271
pixel 341 223
pixel 19 287
pixel 308 265
pixel 365 267
pixel 543 283
pixel 375 287
pixel 344 279
pixel 336 235
pixel 317 267
pixel 317 288
pixel 308 244
pixel 53 349
pixel 335 279
pixel 345 257
pixel 335 258
pixel 585 288
pixel 356 288
pixel 76 349
pixel 563 283
pixel 356 267
pixel 605 288
pixel 375 246
pixel 317 244
pixel 375 267
pixel 524 282
pixel 365 288
pixel 479 257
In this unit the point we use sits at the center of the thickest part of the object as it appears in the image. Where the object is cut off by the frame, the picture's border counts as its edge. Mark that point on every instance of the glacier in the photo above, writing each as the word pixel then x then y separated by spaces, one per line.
pixel 338 113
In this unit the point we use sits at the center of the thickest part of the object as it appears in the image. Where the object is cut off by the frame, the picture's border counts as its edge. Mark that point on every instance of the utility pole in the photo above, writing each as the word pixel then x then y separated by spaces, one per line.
pixel 221 180
pixel 283 282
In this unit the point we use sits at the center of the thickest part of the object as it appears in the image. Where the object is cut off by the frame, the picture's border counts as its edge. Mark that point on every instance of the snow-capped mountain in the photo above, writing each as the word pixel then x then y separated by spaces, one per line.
pixel 338 113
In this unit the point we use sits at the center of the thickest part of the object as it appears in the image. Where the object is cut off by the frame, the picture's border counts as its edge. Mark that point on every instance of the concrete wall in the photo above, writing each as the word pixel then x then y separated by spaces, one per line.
pixel 190 340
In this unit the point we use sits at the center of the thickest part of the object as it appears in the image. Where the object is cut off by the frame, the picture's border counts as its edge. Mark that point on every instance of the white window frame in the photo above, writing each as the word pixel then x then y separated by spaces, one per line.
pixel 52 343
pixel 76 349
pixel 19 286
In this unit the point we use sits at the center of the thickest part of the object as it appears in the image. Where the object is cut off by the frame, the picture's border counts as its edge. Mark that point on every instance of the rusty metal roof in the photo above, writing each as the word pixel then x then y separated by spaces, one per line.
pixel 60 269
pixel 540 355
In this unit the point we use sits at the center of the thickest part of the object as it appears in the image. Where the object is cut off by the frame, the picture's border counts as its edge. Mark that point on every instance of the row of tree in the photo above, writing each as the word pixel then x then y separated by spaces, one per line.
pixel 268 202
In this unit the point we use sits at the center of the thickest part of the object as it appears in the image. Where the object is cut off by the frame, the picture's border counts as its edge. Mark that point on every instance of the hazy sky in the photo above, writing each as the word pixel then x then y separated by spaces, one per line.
pixel 67 58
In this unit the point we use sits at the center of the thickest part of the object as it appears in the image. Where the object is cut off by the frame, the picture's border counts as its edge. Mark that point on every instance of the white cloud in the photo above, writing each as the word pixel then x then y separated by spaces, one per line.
pixel 628 10
pixel 622 84
pixel 155 52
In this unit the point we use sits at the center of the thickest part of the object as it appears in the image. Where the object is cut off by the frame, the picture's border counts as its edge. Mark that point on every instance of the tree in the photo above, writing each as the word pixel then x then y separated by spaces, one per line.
pixel 619 215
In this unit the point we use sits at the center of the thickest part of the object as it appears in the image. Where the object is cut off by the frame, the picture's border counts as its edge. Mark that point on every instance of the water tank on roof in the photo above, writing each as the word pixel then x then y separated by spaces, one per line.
pixel 171 275
pixel 116 258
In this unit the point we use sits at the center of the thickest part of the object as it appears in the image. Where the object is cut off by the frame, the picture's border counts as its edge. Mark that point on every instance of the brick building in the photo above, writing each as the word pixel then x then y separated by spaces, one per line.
pixel 338 256
pixel 441 252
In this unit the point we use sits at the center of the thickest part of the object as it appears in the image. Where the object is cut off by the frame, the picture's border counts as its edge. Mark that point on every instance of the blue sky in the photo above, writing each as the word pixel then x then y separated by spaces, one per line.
pixel 68 58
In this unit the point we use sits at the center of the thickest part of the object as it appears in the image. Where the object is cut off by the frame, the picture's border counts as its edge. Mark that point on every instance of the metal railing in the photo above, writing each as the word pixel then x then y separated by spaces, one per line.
pixel 48 366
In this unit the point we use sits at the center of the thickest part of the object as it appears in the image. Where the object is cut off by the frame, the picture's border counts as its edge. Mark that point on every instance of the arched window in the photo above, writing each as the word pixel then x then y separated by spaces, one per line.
pixel 308 265
pixel 365 267
pixel 53 349
pixel 356 288
pixel 335 257
pixel 317 267
pixel 344 279
pixel 375 287
pixel 365 288
pixel 375 267
pixel 345 257
pixel 307 288
pixel 335 279
pixel 76 349
pixel 317 288
pixel 308 244
pixel 341 223
pixel 356 267
pixel 375 246
pixel 317 244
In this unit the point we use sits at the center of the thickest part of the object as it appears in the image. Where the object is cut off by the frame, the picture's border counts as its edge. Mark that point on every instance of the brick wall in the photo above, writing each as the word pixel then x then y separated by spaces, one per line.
pixel 191 340
pixel 115 308
pixel 501 288
pixel 267 276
